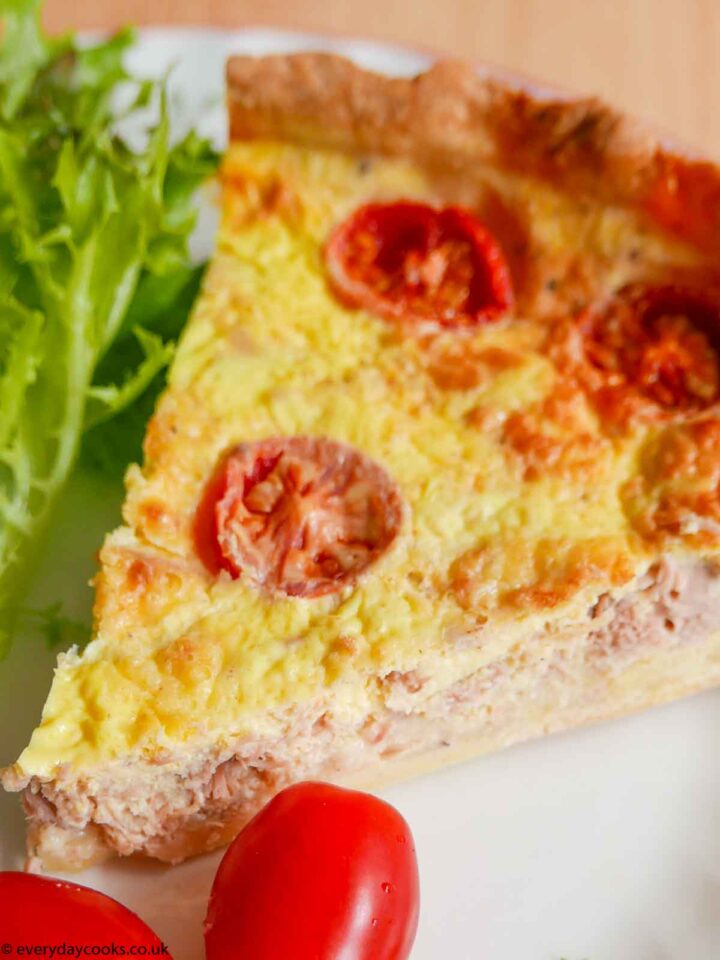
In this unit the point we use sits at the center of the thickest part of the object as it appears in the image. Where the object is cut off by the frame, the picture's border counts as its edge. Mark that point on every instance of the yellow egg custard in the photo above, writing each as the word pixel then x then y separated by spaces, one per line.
pixel 437 468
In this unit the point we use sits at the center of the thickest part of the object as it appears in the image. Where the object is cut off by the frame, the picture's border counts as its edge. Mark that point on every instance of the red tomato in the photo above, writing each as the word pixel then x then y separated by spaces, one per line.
pixel 205 530
pixel 411 262
pixel 303 516
pixel 40 911
pixel 321 873
pixel 658 341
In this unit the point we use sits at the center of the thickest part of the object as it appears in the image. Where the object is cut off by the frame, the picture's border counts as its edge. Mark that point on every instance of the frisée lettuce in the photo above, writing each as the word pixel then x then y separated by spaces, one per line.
pixel 93 233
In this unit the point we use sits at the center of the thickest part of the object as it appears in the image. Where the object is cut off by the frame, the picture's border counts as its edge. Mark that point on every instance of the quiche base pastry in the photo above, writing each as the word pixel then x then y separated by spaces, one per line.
pixel 437 470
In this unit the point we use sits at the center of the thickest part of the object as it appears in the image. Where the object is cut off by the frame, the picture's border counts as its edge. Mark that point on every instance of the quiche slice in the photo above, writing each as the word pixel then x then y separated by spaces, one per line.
pixel 437 469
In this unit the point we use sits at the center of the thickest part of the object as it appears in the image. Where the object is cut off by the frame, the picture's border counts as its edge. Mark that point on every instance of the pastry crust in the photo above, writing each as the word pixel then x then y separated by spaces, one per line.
pixel 454 117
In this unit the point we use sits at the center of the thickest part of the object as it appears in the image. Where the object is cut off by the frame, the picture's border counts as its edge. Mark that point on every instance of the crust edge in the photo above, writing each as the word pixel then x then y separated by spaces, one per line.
pixel 452 117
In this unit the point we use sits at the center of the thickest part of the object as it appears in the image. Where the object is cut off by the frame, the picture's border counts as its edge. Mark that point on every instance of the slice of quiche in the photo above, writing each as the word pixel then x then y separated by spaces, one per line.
pixel 437 470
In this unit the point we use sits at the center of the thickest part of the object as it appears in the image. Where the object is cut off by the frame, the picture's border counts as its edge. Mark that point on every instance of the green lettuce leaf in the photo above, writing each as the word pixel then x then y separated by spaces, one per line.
pixel 95 279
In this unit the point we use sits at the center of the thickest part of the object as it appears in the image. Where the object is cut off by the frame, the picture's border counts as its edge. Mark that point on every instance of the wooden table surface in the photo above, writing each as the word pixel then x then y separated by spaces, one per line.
pixel 659 59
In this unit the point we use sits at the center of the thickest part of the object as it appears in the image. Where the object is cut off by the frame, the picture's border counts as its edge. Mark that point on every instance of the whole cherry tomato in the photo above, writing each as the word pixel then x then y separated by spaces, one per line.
pixel 40 911
pixel 321 873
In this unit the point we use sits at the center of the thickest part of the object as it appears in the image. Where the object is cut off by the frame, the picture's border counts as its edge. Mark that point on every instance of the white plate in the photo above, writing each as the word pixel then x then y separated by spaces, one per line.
pixel 603 844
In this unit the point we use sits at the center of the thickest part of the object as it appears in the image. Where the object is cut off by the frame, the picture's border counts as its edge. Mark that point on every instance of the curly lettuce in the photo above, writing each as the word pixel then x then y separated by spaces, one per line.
pixel 95 278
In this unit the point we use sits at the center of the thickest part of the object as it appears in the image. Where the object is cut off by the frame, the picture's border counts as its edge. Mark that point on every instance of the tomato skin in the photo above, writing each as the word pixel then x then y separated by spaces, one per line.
pixel 44 911
pixel 321 873
pixel 417 264
pixel 205 531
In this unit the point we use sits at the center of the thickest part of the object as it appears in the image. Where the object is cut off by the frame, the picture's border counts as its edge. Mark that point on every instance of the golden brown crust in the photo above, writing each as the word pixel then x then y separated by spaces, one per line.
pixel 453 117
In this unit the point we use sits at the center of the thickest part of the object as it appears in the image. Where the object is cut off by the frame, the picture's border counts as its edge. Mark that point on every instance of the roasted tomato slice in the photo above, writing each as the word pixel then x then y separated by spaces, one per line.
pixel 660 341
pixel 302 516
pixel 56 914
pixel 412 262
pixel 321 873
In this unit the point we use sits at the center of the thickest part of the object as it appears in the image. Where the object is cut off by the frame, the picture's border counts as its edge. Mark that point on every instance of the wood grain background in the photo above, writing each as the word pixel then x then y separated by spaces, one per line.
pixel 659 59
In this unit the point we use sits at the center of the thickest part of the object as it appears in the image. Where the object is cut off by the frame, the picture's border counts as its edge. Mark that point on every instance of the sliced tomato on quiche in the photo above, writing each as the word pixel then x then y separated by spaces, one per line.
pixel 411 262
pixel 659 341
pixel 302 516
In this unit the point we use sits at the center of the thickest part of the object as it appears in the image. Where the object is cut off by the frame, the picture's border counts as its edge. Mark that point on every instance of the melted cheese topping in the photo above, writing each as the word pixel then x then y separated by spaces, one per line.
pixel 517 504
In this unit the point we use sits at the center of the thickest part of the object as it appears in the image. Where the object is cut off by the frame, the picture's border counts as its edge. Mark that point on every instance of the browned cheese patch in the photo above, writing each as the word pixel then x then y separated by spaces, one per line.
pixel 676 494
pixel 531 575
